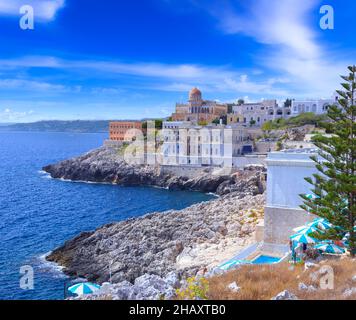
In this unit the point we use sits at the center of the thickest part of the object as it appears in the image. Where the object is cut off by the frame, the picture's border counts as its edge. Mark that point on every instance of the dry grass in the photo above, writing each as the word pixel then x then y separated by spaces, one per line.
pixel 262 282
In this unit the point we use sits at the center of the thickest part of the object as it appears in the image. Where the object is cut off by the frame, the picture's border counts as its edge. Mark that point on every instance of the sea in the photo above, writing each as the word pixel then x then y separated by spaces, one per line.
pixel 38 213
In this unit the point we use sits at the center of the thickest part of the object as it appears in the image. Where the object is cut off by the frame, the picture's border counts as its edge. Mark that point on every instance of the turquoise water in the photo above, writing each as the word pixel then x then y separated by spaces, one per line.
pixel 265 260
pixel 38 214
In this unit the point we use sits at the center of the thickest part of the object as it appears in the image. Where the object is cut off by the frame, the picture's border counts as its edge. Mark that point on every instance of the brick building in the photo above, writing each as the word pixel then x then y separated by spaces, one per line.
pixel 124 130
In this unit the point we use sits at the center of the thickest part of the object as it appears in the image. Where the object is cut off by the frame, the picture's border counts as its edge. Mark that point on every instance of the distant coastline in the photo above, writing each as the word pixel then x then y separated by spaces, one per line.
pixel 75 126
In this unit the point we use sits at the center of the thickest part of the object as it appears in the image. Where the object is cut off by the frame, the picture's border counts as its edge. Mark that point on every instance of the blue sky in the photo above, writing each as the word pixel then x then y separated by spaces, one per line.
pixel 114 59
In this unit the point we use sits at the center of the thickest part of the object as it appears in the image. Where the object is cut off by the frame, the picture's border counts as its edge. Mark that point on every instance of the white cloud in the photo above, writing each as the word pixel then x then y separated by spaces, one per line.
pixel 165 77
pixel 11 115
pixel 30 85
pixel 292 46
pixel 43 9
pixel 159 70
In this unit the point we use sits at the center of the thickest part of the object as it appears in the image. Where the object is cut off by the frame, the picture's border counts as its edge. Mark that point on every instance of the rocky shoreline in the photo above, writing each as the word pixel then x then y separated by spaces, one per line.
pixel 159 245
pixel 106 165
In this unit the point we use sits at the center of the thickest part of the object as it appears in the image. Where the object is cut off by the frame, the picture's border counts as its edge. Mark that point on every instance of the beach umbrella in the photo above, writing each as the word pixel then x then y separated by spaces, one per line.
pixel 233 263
pixel 346 239
pixel 346 236
pixel 316 225
pixel 329 248
pixel 84 288
pixel 306 229
pixel 320 223
pixel 303 238
pixel 311 196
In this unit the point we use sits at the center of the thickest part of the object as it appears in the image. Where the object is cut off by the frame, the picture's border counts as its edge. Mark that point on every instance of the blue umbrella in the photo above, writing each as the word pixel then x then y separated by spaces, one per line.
pixel 84 288
pixel 321 223
pixel 329 248
pixel 306 229
pixel 311 196
pixel 303 238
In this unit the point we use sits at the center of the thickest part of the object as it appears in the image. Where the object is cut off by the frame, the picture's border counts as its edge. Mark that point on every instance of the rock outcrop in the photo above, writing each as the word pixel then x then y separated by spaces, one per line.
pixel 285 295
pixel 183 241
pixel 107 165
pixel 169 245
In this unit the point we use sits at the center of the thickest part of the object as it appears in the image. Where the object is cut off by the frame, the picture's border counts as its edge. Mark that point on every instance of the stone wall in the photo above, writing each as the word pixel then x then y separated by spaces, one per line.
pixel 280 222
pixel 185 171
pixel 265 147
pixel 112 143
pixel 240 162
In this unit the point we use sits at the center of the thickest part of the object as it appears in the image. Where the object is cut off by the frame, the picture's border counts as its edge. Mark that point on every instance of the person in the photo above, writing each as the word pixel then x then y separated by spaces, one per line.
pixel 294 256
pixel 299 250
pixel 305 247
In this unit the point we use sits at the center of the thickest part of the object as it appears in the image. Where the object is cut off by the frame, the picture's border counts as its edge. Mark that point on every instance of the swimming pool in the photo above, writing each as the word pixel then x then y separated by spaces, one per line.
pixel 262 259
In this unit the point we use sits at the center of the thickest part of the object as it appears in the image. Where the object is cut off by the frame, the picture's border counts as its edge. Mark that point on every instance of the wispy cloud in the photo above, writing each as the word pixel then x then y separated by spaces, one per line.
pixel 176 71
pixel 44 10
pixel 292 44
pixel 11 115
pixel 155 76
pixel 17 84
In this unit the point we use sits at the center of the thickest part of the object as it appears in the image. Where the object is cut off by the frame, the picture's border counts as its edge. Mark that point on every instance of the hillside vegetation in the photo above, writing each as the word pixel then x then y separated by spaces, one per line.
pixel 298 121
pixel 263 282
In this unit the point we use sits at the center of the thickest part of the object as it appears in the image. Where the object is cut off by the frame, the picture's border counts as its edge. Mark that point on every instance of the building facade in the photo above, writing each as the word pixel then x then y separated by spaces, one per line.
pixel 198 110
pixel 255 114
pixel 124 131
pixel 286 171
pixel 316 106
pixel 213 145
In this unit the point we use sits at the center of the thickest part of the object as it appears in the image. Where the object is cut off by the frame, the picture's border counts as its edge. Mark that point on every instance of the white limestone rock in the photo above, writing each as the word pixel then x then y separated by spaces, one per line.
pixel 285 295
pixel 303 287
pixel 349 292
pixel 234 287
pixel 172 279
pixel 310 265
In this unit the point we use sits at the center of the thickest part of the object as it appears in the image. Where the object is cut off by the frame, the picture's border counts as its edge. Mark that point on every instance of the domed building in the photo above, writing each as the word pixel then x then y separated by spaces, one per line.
pixel 197 109
pixel 195 95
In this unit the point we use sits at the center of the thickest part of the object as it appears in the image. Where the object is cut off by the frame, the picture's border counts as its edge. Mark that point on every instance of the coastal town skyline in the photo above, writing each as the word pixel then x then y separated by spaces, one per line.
pixel 121 70
pixel 156 152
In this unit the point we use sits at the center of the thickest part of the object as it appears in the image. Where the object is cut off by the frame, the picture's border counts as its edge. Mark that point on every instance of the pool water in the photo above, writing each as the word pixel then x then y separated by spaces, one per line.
pixel 265 260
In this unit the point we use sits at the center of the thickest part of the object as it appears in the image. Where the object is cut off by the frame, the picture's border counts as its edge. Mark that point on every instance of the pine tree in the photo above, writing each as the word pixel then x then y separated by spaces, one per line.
pixel 335 183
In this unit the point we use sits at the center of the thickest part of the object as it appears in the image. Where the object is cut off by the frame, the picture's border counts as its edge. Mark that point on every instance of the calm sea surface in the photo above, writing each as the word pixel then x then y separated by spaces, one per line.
pixel 38 214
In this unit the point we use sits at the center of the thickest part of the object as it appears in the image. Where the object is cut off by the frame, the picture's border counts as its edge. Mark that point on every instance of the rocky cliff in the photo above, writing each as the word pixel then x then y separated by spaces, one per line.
pixel 183 241
pixel 179 242
pixel 107 165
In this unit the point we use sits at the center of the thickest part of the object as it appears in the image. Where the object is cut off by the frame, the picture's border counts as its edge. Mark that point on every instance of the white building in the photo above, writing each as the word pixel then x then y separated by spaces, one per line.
pixel 319 106
pixel 256 114
pixel 214 145
pixel 286 171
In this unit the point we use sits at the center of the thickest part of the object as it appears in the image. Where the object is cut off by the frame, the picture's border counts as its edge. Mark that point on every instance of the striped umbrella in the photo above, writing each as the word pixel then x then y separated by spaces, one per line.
pixel 329 248
pixel 303 237
pixel 321 223
pixel 84 288
pixel 232 263
pixel 306 229
pixel 311 196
